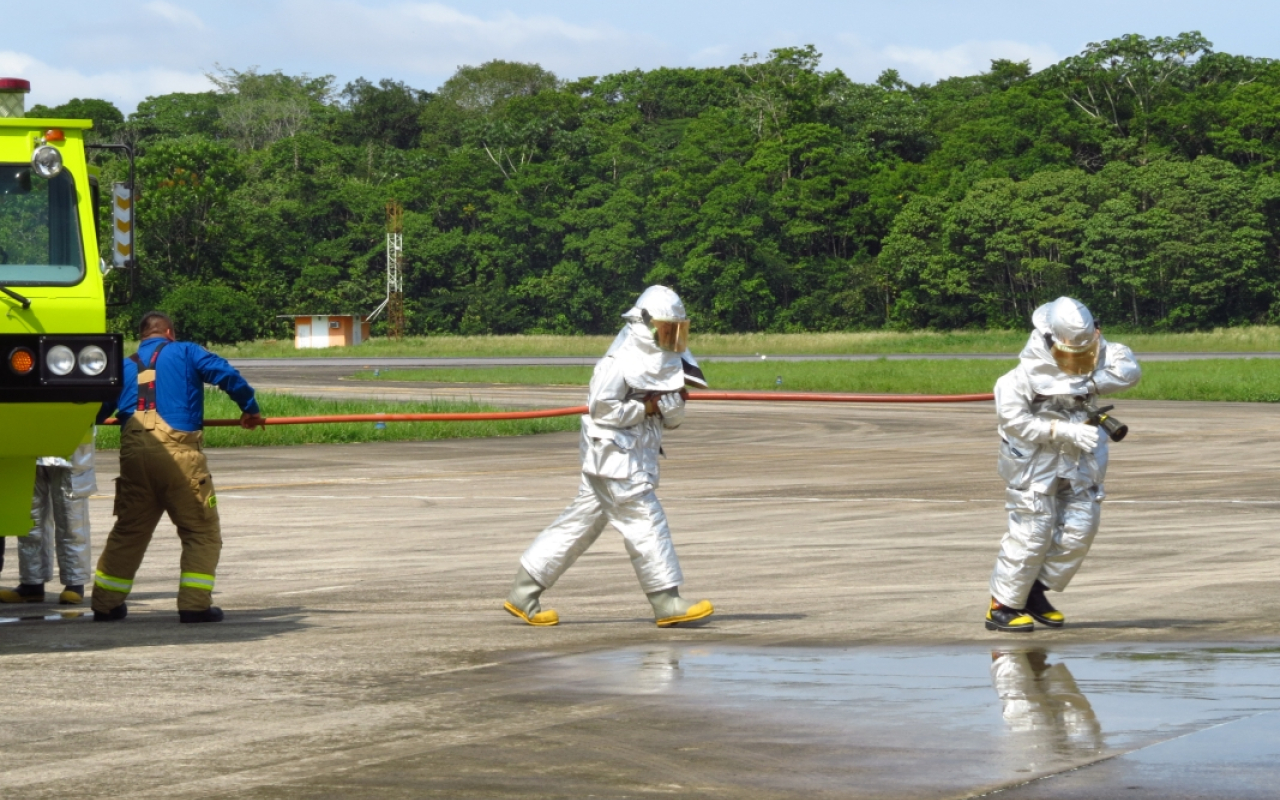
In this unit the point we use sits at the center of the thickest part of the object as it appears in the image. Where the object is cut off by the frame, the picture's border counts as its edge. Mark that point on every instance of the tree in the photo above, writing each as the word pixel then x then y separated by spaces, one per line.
pixel 174 115
pixel 107 119
pixel 387 113
pixel 263 108
pixel 212 314
pixel 1122 82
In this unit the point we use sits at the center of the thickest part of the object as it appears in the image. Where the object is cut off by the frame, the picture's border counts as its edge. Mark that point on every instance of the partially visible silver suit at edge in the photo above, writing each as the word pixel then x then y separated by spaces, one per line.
pixel 59 530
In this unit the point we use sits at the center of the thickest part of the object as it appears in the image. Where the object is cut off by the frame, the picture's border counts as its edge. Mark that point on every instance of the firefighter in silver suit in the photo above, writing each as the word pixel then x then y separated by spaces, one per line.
pixel 60 525
pixel 1052 459
pixel 637 391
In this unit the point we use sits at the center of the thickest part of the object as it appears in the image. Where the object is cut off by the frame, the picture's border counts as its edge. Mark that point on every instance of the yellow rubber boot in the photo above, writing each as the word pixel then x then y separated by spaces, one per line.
pixel 1041 610
pixel 523 602
pixel 670 609
pixel 1009 620
pixel 25 593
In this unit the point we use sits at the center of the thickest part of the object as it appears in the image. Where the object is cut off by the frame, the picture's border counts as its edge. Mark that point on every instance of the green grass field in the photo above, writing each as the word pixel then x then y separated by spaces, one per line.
pixel 1234 379
pixel 1225 340
pixel 219 406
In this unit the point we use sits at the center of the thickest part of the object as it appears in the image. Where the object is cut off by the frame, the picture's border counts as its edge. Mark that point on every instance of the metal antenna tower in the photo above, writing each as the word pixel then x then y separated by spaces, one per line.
pixel 395 280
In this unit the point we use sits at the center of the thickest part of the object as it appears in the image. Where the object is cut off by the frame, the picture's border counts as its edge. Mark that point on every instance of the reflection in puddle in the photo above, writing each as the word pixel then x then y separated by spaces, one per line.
pixel 1042 703
pixel 892 709
pixel 58 616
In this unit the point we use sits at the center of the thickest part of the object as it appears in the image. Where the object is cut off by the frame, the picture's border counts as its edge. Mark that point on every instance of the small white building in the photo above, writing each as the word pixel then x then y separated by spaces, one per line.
pixel 328 330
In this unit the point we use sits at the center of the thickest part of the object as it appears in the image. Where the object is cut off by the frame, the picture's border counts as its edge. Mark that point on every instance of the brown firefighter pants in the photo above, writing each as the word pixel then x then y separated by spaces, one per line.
pixel 161 471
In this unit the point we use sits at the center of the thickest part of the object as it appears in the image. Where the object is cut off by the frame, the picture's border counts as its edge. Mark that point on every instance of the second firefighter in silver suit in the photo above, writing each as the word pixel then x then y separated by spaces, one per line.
pixel 1052 459
pixel 636 393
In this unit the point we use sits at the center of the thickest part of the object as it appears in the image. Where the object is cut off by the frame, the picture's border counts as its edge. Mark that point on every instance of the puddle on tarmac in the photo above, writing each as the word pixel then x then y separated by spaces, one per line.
pixel 57 616
pixel 980 716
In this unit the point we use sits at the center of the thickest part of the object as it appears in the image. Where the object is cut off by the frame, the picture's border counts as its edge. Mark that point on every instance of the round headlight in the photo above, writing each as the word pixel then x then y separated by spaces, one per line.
pixel 47 161
pixel 60 359
pixel 92 360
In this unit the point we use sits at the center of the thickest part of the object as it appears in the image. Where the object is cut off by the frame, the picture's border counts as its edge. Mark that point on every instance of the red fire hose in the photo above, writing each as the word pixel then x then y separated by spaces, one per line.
pixel 468 417
pixel 835 397
pixel 769 397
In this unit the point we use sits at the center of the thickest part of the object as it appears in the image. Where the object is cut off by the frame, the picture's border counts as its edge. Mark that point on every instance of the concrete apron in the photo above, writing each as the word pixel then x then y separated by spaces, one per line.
pixel 365 651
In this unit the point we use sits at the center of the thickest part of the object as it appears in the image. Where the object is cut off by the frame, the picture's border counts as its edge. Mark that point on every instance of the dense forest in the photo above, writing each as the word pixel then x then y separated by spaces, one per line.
pixel 1139 175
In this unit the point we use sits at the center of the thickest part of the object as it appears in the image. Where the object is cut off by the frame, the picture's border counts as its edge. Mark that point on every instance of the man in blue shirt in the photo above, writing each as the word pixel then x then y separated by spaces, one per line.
pixel 163 469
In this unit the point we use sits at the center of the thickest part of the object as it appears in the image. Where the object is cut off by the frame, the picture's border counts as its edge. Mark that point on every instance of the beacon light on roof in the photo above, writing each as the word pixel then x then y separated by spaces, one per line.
pixel 13 92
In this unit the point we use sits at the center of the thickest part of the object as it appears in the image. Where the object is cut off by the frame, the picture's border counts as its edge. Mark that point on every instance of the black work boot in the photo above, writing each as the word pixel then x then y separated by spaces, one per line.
pixel 1039 607
pixel 25 593
pixel 1010 620
pixel 210 614
pixel 118 613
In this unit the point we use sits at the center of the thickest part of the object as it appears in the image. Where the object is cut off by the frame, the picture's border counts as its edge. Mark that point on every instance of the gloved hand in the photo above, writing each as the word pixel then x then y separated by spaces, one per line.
pixel 1081 435
pixel 670 403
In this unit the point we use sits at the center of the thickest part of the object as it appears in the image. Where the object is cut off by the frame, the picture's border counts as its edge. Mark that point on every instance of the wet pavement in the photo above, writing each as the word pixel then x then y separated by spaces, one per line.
pixel 724 720
pixel 1093 721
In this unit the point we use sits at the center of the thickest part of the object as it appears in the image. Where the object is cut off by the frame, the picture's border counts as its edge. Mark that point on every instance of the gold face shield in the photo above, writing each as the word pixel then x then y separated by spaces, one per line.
pixel 1077 359
pixel 671 335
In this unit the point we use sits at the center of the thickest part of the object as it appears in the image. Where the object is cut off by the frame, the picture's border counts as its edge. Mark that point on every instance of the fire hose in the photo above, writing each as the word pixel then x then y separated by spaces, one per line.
pixel 770 397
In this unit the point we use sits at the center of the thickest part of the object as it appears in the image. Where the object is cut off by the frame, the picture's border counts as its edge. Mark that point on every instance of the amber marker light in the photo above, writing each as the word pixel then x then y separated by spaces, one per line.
pixel 55 135
pixel 22 361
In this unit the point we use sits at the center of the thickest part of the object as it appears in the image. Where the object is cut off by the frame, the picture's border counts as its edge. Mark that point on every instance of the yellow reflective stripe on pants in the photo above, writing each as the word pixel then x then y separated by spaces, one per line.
pixel 112 583
pixel 196 580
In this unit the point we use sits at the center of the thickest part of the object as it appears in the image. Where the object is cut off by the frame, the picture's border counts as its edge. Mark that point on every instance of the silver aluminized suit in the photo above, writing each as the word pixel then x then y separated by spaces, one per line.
pixel 60 521
pixel 1055 489
pixel 619 447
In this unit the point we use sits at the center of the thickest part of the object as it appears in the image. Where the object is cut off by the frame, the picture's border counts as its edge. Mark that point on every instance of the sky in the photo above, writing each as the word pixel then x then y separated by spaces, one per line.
pixel 127 50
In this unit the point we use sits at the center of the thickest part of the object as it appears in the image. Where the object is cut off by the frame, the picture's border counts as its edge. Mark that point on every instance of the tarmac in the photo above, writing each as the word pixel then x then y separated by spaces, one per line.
pixel 846 549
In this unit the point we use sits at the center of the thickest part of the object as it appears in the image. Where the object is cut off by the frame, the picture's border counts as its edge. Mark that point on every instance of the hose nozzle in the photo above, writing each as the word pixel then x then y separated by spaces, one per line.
pixel 1116 429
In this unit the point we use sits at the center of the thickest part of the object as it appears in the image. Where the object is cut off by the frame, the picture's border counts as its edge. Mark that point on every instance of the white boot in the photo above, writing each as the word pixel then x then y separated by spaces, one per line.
pixel 523 602
pixel 669 608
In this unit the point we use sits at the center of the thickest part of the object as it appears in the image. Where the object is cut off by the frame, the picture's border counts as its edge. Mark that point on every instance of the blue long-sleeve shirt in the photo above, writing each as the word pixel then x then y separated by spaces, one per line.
pixel 182 370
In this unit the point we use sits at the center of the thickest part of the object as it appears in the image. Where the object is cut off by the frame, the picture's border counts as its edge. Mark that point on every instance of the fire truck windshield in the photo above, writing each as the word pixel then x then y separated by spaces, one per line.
pixel 39 230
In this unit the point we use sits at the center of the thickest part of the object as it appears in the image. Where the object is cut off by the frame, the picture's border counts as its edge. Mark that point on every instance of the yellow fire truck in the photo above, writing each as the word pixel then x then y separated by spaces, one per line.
pixel 57 362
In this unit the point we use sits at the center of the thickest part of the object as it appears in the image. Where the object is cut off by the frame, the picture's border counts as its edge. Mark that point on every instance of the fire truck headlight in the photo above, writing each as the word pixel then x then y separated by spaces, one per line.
pixel 60 359
pixel 92 360
pixel 46 161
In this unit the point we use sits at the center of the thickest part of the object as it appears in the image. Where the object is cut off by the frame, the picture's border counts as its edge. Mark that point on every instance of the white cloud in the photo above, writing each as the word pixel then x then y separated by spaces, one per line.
pixel 864 61
pixel 52 85
pixel 433 39
pixel 969 58
pixel 716 55
pixel 182 17
pixel 504 29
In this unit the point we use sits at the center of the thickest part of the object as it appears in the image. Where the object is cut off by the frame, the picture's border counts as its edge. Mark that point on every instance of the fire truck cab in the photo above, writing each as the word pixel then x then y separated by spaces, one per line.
pixel 57 362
